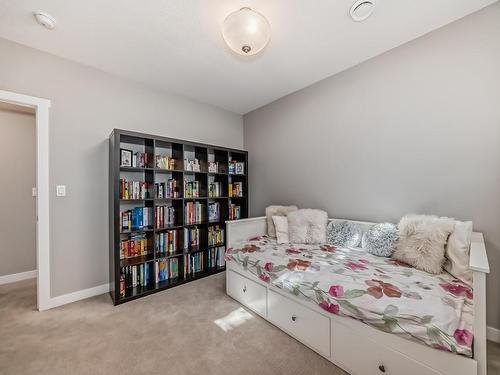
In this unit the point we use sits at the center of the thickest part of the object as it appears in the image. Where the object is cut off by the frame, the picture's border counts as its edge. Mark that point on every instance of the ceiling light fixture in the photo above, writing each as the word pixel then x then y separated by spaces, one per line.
pixel 246 31
pixel 45 19
pixel 361 10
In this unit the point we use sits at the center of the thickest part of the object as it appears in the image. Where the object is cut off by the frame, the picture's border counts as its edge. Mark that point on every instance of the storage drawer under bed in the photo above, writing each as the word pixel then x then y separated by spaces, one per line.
pixel 308 326
pixel 247 292
pixel 363 356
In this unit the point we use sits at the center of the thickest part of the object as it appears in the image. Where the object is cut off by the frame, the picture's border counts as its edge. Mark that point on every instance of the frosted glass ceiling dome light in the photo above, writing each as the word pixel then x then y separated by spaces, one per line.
pixel 246 31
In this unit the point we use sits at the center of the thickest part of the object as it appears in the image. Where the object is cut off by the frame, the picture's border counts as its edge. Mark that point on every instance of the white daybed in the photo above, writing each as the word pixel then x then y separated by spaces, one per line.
pixel 350 344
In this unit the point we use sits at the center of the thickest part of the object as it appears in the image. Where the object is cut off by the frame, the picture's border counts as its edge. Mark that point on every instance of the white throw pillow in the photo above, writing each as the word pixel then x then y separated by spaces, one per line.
pixel 281 226
pixel 422 240
pixel 458 252
pixel 276 211
pixel 307 226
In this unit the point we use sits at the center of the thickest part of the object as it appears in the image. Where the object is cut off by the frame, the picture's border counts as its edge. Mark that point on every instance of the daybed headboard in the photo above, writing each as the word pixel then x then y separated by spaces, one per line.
pixel 240 230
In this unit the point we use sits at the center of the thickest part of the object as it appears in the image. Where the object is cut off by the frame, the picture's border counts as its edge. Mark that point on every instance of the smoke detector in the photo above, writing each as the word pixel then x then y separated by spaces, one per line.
pixel 361 10
pixel 45 19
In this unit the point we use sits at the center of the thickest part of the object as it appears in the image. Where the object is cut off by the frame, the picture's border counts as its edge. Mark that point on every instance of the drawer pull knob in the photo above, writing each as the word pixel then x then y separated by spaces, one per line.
pixel 381 368
pixel 244 289
pixel 294 318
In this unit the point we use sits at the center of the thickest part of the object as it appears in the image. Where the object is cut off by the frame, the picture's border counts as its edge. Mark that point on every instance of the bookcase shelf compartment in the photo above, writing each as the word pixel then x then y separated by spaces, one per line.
pixel 162 160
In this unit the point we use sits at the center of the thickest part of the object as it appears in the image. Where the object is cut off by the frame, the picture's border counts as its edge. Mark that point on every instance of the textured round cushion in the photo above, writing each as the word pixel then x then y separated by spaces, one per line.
pixel 344 234
pixel 380 239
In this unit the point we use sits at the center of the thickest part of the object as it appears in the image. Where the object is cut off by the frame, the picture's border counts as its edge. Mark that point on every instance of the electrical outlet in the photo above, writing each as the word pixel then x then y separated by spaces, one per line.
pixel 61 190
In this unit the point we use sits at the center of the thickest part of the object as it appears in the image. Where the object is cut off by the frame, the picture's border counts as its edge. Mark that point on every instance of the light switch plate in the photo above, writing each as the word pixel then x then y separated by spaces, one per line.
pixel 61 190
pixel 33 192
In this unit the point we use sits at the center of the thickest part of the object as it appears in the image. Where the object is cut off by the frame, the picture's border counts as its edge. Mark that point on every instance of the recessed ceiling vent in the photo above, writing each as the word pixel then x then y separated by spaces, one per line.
pixel 361 10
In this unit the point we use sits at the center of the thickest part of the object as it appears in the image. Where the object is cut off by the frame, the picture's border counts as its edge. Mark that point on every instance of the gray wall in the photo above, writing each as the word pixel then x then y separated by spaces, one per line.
pixel 416 129
pixel 17 205
pixel 86 105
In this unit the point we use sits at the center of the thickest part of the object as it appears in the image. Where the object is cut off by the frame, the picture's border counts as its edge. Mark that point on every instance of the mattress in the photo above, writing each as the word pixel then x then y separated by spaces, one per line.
pixel 435 310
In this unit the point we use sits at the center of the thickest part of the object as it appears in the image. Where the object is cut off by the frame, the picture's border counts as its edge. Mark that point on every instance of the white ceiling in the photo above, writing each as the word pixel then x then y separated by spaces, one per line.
pixel 176 45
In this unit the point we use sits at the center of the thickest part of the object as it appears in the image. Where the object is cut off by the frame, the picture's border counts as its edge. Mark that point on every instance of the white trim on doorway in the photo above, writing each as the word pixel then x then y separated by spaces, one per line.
pixel 12 278
pixel 41 107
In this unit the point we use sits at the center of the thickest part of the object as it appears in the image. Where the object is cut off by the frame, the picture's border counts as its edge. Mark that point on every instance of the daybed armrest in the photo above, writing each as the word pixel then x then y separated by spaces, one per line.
pixel 478 257
pixel 478 263
pixel 242 230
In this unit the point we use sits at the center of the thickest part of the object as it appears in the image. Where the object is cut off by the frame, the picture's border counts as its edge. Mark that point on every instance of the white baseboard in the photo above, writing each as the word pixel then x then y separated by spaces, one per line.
pixel 76 296
pixel 7 279
pixel 493 334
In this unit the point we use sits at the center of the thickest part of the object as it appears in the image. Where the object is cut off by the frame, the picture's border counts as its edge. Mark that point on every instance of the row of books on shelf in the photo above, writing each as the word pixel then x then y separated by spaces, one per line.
pixel 216 257
pixel 191 237
pixel 234 212
pixel 164 162
pixel 167 243
pixel 129 158
pixel 169 189
pixel 215 236
pixel 133 276
pixel 236 167
pixel 193 212
pixel 150 273
pixel 191 189
pixel 192 165
pixel 134 189
pixel 165 216
pixel 236 189
pixel 166 269
pixel 213 167
pixel 137 218
pixel 214 190
pixel 213 211
pixel 134 246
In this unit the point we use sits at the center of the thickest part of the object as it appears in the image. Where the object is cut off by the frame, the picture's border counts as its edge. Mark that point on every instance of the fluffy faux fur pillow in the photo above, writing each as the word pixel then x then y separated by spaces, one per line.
pixel 307 226
pixel 422 241
pixel 276 211
pixel 457 252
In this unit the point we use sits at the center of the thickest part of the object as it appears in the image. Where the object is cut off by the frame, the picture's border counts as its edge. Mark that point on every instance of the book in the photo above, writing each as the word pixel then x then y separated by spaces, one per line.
pixel 134 276
pixel 213 167
pixel 134 246
pixel 191 189
pixel 134 189
pixel 236 189
pixel 215 236
pixel 137 218
pixel 213 211
pixel 165 162
pixel 167 243
pixel 165 216
pixel 140 160
pixel 216 257
pixel 166 269
pixel 193 212
pixel 169 189
pixel 236 167
pixel 234 212
pixel 191 237
pixel 192 165
pixel 194 263
pixel 214 190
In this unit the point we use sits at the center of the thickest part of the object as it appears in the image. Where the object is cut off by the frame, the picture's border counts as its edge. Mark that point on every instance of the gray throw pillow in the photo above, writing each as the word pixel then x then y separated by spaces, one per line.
pixel 380 239
pixel 343 234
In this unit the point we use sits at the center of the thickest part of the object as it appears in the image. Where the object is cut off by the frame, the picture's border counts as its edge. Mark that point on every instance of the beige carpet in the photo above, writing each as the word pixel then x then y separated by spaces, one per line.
pixel 191 329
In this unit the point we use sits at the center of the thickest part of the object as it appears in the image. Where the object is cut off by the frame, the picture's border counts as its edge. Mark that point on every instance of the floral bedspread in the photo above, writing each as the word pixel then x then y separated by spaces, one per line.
pixel 435 310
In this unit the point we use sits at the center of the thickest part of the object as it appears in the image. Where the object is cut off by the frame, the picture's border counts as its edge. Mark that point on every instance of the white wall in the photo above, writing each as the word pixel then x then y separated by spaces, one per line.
pixel 17 205
pixel 86 105
pixel 416 129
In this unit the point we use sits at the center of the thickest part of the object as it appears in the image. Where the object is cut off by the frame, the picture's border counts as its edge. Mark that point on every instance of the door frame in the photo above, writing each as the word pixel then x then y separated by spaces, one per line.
pixel 41 107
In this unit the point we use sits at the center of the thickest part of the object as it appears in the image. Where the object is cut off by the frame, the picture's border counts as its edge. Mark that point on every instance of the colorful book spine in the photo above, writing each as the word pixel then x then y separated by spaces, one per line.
pixel 236 189
pixel 165 216
pixel 234 212
pixel 166 269
pixel 214 211
pixel 167 243
pixel 215 236
pixel 134 246
pixel 134 189
pixel 191 237
pixel 193 212
pixel 134 276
